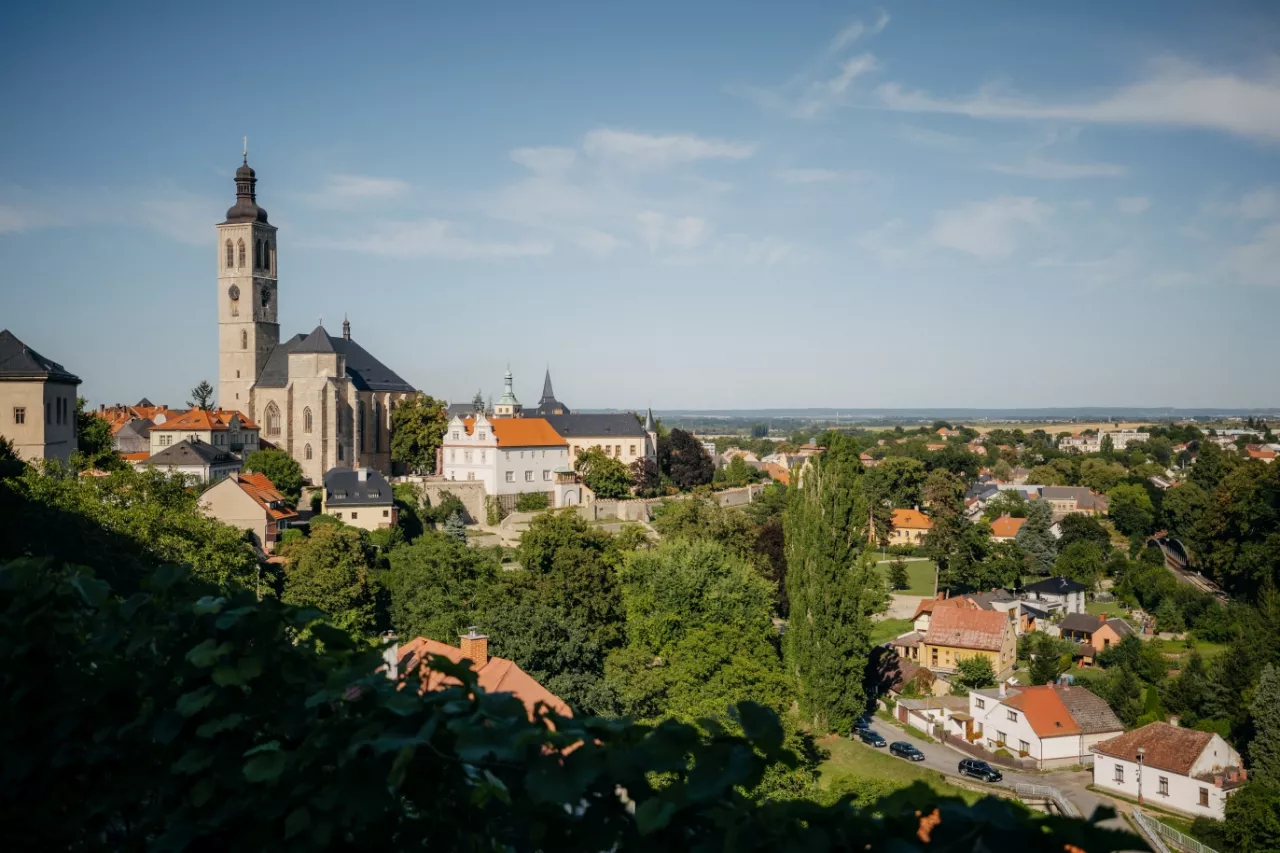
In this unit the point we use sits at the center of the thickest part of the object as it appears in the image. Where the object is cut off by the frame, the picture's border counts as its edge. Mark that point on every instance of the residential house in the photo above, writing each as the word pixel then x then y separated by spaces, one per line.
pixel 1018 476
pixel 494 674
pixel 1081 443
pixel 1054 725
pixel 1122 438
pixel 1005 528
pixel 252 503
pixel 907 646
pixel 196 460
pixel 944 432
pixel 778 473
pixel 1174 768
pixel 132 438
pixel 889 673
pixel 361 498
pixel 734 452
pixel 1094 634
pixel 1069 500
pixel 1057 593
pixel 37 402
pixel 619 435
pixel 1260 452
pixel 935 715
pixel 933 448
pixel 908 527
pixel 229 430
pixel 927 606
pixel 956 633
pixel 510 456
pixel 867 460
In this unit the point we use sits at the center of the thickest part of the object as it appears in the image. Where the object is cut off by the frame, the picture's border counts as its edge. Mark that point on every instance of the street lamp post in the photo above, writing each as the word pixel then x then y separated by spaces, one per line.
pixel 1141 752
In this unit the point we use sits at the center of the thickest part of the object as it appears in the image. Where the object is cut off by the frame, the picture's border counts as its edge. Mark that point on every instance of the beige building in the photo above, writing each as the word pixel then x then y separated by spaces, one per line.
pixel 225 430
pixel 37 402
pixel 197 461
pixel 361 498
pixel 252 503
pixel 956 633
pixel 324 400
pixel 908 527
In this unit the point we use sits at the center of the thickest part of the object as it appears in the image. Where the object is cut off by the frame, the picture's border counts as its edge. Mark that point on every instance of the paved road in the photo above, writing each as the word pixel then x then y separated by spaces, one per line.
pixel 946 760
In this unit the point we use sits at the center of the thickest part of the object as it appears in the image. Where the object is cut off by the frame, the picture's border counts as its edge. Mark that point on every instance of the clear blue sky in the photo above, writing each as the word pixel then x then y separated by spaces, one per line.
pixel 673 204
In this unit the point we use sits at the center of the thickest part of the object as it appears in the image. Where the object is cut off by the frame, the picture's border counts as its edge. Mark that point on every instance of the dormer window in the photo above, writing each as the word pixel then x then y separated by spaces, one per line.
pixel 482 436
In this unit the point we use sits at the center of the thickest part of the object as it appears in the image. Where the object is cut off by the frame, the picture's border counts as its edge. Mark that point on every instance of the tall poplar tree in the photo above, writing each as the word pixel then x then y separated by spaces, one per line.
pixel 1264 752
pixel 833 588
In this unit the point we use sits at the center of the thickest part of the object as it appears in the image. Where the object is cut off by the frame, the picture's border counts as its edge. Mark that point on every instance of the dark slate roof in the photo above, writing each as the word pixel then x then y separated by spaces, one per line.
pixel 548 404
pixel 1084 623
pixel 986 600
pixel 364 371
pixel 144 402
pixel 1091 713
pixel 1121 627
pixel 19 361
pixel 343 487
pixel 135 428
pixel 622 425
pixel 1054 586
pixel 189 452
pixel 461 410
pixel 246 208
pixel 317 341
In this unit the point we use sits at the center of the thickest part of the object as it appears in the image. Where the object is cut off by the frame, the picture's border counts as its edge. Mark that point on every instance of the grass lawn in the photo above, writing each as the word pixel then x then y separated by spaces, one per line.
pixel 849 758
pixel 1111 608
pixel 887 629
pixel 919 576
pixel 1179 649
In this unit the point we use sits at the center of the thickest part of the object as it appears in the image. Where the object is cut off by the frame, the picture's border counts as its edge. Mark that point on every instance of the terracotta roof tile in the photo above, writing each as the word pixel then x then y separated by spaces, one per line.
pixel 928 605
pixel 498 675
pixel 204 419
pixel 967 629
pixel 1006 526
pixel 1167 747
pixel 777 472
pixel 910 519
pixel 1044 711
pixel 521 432
pixel 258 487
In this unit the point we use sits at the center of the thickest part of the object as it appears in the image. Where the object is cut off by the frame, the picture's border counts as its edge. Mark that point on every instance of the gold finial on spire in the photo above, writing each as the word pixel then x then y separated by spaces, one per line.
pixel 246 151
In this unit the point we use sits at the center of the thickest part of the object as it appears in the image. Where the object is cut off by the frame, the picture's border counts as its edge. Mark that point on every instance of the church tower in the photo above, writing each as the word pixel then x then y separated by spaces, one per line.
pixel 248 325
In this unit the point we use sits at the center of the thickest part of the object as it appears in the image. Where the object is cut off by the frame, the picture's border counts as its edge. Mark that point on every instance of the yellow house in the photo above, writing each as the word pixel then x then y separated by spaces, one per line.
pixel 908 527
pixel 957 633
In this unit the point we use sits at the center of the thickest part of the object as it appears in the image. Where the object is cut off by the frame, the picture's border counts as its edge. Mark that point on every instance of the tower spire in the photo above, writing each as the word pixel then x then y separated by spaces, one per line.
pixel 245 154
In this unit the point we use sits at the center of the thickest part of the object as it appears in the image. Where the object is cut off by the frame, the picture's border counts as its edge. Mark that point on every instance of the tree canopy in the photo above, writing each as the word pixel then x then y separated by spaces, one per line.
pixel 602 474
pixel 683 458
pixel 417 430
pixel 280 468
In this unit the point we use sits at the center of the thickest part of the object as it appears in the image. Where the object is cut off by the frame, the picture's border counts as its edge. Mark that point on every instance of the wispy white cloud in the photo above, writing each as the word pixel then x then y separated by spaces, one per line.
pixel 643 151
pixel 344 190
pixel 434 238
pixel 1174 93
pixel 1041 168
pixel 1133 205
pixel 821 95
pixel 925 137
pixel 989 229
pixel 174 213
pixel 546 160
pixel 1260 203
pixel 855 30
pixel 1257 263
pixel 659 231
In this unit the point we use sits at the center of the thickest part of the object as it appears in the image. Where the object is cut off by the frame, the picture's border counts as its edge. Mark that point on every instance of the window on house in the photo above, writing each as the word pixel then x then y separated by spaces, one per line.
pixel 354 515
pixel 471 475
pixel 466 456
pixel 1000 738
pixel 19 414
pixel 1164 785
pixel 511 476
pixel 453 455
pixel 244 339
pixel 1119 775
pixel 934 661
pixel 546 475
pixel 1204 797
pixel 307 451
pixel 482 436
pixel 1023 746
pixel 340 452
pixel 1013 716
pixel 632 451
pixel 980 704
pixel 482 456
pixel 528 476
pixel 455 435
pixel 617 450
pixel 337 515
pixel 386 513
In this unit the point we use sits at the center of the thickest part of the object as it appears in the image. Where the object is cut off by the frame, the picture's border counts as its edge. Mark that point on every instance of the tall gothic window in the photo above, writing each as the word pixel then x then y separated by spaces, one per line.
pixel 241 245
pixel 377 425
pixel 306 451
pixel 244 339
pixel 231 255
pixel 360 422
pixel 273 419
pixel 306 420
pixel 266 255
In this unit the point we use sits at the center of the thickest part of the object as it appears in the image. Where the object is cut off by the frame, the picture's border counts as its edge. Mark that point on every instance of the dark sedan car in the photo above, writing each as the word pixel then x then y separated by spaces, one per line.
pixel 902 749
pixel 871 738
pixel 979 770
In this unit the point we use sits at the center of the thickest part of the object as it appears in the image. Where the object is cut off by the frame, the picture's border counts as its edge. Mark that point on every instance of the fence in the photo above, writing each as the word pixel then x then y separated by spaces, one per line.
pixel 1044 792
pixel 1160 833
pixel 956 742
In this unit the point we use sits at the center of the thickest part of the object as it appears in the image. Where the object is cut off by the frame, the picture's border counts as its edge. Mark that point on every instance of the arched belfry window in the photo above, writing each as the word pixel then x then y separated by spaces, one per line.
pixel 360 423
pixel 267 252
pixel 241 245
pixel 306 451
pixel 273 419
pixel 244 339
pixel 306 419
pixel 257 254
pixel 231 255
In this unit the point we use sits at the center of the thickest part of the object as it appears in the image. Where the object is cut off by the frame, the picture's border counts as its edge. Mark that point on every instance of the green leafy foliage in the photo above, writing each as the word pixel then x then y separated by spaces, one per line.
pixel 330 570
pixel 532 502
pixel 1081 561
pixel 417 430
pixel 682 458
pixel 435 584
pixel 975 672
pixel 1264 752
pixel 1036 540
pixel 1130 508
pixel 94 451
pixel 201 395
pixel 281 469
pixel 602 474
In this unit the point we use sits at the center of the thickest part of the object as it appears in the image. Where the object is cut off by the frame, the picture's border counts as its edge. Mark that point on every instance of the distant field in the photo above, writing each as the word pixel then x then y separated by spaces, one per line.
pixel 853 759
pixel 919 576
pixel 887 629
pixel 1057 428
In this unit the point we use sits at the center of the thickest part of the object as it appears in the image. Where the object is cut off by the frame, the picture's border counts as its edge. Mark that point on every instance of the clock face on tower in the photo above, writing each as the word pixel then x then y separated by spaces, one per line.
pixel 234 292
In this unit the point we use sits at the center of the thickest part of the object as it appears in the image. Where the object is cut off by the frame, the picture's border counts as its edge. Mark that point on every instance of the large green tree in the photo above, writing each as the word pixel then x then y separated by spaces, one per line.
pixel 1264 750
pixel 201 395
pixel 682 458
pixel 1036 539
pixel 897 481
pixel 833 590
pixel 435 586
pixel 280 468
pixel 94 450
pixel 605 476
pixel 417 429
pixel 1130 508
pixel 330 570
pixel 1080 561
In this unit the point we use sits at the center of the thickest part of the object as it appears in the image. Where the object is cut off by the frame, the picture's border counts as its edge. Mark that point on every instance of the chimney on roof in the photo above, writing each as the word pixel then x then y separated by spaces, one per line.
pixel 1004 689
pixel 475 647
pixel 362 474
pixel 391 654
pixel 1174 720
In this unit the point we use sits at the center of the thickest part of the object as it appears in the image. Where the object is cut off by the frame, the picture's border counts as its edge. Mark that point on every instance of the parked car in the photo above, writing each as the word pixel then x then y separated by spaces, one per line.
pixel 871 738
pixel 862 723
pixel 979 770
pixel 902 749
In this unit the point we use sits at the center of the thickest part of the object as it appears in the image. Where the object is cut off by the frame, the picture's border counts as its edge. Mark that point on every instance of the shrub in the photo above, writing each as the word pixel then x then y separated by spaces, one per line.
pixel 532 502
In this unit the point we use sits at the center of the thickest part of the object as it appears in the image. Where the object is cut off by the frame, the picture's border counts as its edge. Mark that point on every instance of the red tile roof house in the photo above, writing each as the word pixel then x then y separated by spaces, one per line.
pixel 1053 725
pixel 1182 770
pixel 496 675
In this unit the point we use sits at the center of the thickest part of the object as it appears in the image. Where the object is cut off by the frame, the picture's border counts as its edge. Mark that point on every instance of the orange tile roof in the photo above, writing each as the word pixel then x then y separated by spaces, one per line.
pixel 1045 712
pixel 967 629
pixel 935 447
pixel 910 519
pixel 498 675
pixel 258 487
pixel 928 605
pixel 1165 746
pixel 1006 526
pixel 521 432
pixel 1260 453
pixel 141 456
pixel 777 472
pixel 204 419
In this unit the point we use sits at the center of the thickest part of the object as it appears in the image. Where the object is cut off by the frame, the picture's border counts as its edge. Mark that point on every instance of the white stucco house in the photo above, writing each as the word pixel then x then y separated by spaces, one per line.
pixel 510 456
pixel 1054 725
pixel 1057 593
pixel 1174 768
